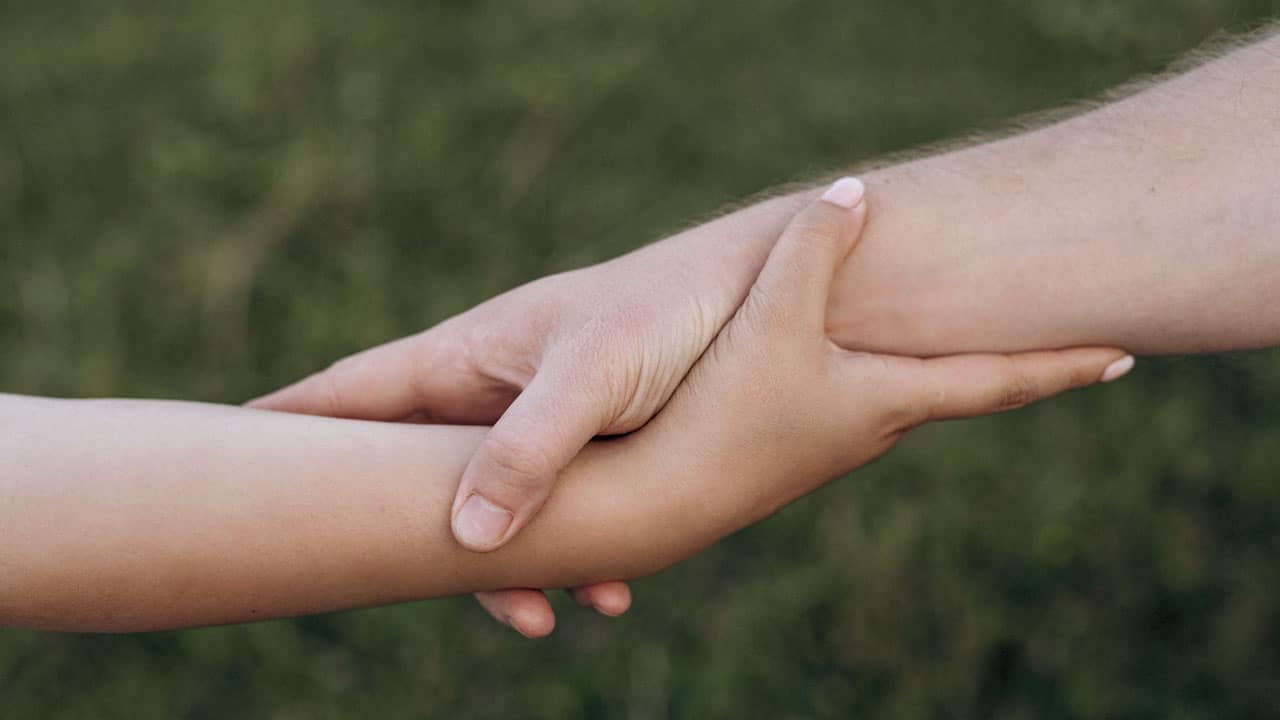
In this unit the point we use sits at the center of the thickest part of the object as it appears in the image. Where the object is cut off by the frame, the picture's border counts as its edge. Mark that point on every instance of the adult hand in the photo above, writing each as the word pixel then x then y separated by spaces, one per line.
pixel 552 364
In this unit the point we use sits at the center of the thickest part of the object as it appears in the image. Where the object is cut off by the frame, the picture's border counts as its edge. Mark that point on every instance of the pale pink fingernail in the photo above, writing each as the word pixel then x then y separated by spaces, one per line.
pixel 1118 369
pixel 480 523
pixel 846 192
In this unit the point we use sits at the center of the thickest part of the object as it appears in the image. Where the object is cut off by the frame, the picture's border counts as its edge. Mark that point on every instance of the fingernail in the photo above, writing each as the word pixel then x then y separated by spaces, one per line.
pixel 846 192
pixel 1118 369
pixel 480 523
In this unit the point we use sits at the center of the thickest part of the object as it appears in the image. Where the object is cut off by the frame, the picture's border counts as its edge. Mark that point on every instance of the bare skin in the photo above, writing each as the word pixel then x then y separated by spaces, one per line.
pixel 1152 223
pixel 136 515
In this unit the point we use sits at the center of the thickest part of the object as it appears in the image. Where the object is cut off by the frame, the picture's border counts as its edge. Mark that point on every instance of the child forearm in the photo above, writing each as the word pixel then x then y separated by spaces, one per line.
pixel 139 515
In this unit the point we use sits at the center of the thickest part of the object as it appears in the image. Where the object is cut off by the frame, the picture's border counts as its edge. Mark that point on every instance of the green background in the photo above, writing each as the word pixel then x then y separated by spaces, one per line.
pixel 206 199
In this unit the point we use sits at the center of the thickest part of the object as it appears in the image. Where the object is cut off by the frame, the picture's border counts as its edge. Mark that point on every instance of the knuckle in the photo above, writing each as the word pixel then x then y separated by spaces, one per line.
pixel 1083 376
pixel 519 468
pixel 822 222
pixel 332 382
pixel 330 393
pixel 770 315
pixel 482 350
pixel 817 231
pixel 1017 391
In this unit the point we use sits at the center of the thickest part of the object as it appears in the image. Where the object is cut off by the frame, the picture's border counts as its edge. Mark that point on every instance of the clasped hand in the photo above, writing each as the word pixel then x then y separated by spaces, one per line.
pixel 721 335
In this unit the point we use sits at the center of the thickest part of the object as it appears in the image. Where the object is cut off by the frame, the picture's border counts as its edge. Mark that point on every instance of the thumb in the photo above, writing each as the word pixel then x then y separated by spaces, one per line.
pixel 515 467
pixel 796 281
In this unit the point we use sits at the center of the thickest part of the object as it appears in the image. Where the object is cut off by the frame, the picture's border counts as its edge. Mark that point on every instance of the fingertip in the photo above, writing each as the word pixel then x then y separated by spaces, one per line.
pixel 270 401
pixel 524 610
pixel 608 598
pixel 314 394
pixel 613 599
pixel 1118 369
pixel 534 623
pixel 481 525
pixel 847 192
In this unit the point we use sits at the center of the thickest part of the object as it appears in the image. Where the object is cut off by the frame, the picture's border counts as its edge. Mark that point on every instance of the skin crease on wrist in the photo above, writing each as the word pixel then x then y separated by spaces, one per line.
pixel 184 514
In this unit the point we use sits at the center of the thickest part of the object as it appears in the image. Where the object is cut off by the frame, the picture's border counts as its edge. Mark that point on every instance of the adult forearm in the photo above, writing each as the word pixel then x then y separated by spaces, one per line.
pixel 1151 224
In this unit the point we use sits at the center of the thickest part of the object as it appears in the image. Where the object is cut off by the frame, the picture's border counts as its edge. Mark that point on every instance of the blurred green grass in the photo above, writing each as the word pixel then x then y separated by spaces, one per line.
pixel 207 199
